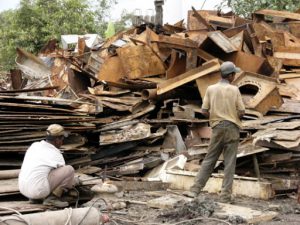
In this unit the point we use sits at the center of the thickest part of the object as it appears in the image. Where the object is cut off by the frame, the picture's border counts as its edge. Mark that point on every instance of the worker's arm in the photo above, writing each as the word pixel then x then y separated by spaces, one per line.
pixel 206 104
pixel 240 105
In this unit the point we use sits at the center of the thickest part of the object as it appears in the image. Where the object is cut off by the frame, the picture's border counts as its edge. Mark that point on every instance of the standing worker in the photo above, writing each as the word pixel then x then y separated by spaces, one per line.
pixel 224 107
pixel 44 174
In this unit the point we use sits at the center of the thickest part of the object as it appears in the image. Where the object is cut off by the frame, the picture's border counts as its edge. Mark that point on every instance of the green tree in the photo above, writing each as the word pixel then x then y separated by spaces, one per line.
pixel 125 22
pixel 244 8
pixel 36 21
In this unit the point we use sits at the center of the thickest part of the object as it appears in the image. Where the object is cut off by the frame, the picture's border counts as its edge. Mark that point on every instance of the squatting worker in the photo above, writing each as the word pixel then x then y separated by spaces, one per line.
pixel 44 174
pixel 223 105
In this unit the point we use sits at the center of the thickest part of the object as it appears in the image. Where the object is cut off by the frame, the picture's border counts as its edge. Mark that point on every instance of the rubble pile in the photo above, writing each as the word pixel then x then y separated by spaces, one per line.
pixel 132 102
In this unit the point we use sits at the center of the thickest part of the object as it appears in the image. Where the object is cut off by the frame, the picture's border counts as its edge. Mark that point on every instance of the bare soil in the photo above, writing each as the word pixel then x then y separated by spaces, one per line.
pixel 202 209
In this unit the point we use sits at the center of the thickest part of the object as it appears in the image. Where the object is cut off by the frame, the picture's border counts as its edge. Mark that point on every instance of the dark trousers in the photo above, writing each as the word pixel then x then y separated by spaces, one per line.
pixel 225 138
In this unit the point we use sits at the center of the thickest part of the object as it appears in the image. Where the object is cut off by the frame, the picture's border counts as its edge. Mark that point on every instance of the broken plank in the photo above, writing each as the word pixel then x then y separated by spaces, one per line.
pixel 189 76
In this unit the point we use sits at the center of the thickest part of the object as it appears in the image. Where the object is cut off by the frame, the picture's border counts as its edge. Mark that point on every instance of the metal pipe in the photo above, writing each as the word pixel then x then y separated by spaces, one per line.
pixel 84 216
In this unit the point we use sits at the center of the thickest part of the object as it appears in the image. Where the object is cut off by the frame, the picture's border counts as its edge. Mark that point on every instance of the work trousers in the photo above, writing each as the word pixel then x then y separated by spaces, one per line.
pixel 225 138
pixel 62 177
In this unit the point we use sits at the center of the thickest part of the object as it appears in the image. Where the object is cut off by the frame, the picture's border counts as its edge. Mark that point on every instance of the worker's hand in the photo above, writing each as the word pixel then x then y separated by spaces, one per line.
pixel 104 218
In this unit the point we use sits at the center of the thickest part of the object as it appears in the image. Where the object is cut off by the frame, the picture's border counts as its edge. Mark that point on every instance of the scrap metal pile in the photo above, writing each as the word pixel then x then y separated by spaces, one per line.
pixel 133 101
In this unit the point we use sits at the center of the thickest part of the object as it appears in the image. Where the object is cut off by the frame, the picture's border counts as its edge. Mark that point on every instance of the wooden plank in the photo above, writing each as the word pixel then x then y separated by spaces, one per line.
pixel 244 186
pixel 189 76
pixel 276 13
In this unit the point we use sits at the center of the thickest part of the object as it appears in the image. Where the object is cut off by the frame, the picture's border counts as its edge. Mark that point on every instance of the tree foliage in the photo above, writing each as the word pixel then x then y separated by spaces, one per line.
pixel 246 7
pixel 36 21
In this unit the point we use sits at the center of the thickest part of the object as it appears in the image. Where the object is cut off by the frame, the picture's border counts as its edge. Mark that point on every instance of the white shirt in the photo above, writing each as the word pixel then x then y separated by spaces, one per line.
pixel 39 160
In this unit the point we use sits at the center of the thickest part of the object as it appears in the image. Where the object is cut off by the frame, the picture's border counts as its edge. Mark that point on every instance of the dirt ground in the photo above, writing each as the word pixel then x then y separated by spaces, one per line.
pixel 201 211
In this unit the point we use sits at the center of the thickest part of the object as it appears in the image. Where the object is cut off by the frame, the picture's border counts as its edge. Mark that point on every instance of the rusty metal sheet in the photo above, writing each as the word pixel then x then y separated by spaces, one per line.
pixel 177 65
pixel 290 56
pixel 173 140
pixel 135 132
pixel 191 75
pixel 181 43
pixel 276 13
pixel 263 91
pixel 238 40
pixel 32 66
pixel 16 79
pixel 202 20
pixel 197 36
pixel 140 61
pixel 289 106
pixel 250 63
pixel 222 41
pixel 247 148
pixel 111 70
pixel 293 27
pixel 208 79
pixel 278 135
pixel 193 23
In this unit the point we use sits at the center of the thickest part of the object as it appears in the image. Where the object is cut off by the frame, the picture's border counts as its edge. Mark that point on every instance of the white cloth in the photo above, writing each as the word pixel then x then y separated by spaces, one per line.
pixel 39 160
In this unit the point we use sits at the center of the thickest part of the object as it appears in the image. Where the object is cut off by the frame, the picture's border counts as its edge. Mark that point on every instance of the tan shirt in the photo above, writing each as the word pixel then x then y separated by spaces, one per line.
pixel 223 101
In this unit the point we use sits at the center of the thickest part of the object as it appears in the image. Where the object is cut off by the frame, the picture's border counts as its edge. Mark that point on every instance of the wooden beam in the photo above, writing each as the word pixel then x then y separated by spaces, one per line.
pixel 189 76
